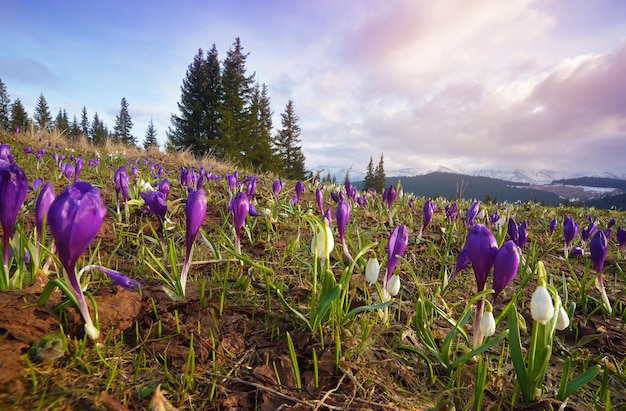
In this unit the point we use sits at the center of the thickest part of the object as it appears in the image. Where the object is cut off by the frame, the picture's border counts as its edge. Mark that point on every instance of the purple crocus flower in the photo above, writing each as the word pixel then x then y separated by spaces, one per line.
pixel 611 223
pixel 598 248
pixel 28 150
pixel 472 212
pixel 37 184
pixel 570 230
pixel 231 179
pixel 74 218
pixel 155 200
pixel 240 208
pixel 299 190
pixel 277 185
pixel 195 211
pixel 505 266
pixel 495 217
pixel 452 211
pixel 342 216
pixel 319 198
pixel 552 226
pixel 68 170
pixel 42 206
pixel 429 210
pixel 164 187
pixel 79 162
pixel 6 157
pixel 577 251
pixel 588 231
pixel 396 247
pixel 251 187
pixel 121 181
pixel 480 250
pixel 13 192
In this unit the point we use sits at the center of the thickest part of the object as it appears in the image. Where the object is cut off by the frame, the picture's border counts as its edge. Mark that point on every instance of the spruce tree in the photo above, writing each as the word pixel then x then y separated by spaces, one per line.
pixel 151 140
pixel 84 123
pixel 368 182
pixel 379 176
pixel 5 105
pixel 19 116
pixel 260 153
pixel 124 125
pixel 98 131
pixel 42 115
pixel 235 133
pixel 197 126
pixel 75 131
pixel 61 122
pixel 287 143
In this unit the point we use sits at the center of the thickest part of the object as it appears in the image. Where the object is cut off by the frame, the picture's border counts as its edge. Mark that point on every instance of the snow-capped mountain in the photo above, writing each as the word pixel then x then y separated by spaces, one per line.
pixel 532 177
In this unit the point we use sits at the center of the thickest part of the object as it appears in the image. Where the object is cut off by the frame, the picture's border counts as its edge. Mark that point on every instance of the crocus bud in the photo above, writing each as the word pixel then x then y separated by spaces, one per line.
pixel 319 198
pixel 552 226
pixel 429 210
pixel 299 189
pixel 505 266
pixel 472 212
pixel 570 230
pixel 372 269
pixel 42 206
pixel 195 214
pixel 277 185
pixel 396 247
pixel 393 285
pixel 121 180
pixel 598 248
pixel 487 322
pixel 240 208
pixel 481 248
pixel 577 251
pixel 13 191
pixel 164 187
pixel 341 217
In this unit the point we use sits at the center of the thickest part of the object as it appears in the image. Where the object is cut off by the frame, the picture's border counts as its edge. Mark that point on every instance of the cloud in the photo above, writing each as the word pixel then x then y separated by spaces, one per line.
pixel 28 70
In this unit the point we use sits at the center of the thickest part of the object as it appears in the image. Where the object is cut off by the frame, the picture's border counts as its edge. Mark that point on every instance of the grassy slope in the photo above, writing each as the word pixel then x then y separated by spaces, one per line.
pixel 236 333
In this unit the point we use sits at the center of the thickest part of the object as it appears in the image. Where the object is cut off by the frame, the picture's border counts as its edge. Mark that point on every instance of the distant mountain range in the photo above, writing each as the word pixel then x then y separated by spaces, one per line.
pixel 531 177
pixel 545 186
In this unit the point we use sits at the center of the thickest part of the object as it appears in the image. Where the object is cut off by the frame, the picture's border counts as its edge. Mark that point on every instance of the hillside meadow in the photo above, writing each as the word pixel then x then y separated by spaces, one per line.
pixel 390 306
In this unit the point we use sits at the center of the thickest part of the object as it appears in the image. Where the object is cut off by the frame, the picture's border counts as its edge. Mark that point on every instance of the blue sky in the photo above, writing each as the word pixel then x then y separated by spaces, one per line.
pixel 465 84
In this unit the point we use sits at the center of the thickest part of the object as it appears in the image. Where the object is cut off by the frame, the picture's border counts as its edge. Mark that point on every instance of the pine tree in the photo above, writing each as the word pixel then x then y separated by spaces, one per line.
pixel 260 153
pixel 123 125
pixel 19 116
pixel 237 87
pixel 5 104
pixel 287 143
pixel 379 176
pixel 151 140
pixel 61 122
pixel 198 125
pixel 84 123
pixel 42 115
pixel 368 182
pixel 98 131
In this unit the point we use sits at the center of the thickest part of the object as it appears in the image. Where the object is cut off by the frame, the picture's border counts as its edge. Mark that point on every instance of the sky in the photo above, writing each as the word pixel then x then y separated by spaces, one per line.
pixel 463 84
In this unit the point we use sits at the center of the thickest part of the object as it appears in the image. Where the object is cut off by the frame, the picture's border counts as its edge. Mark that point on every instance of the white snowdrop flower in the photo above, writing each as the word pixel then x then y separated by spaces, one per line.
pixel 393 285
pixel 487 322
pixel 541 306
pixel 372 269
pixel 562 320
